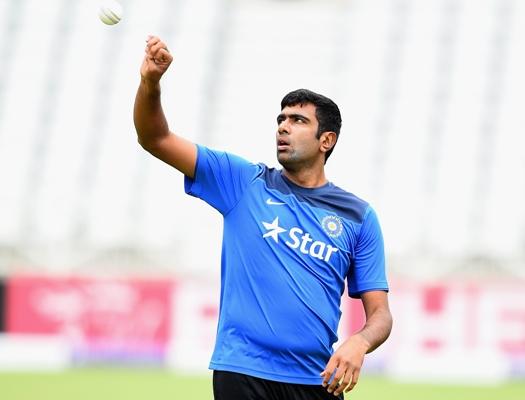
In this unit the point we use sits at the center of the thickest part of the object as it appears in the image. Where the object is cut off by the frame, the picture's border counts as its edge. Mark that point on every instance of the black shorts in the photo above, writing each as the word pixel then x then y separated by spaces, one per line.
pixel 234 386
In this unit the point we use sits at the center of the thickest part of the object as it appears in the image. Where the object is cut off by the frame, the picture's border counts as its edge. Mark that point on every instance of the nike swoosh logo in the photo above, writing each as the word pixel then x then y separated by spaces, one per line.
pixel 270 202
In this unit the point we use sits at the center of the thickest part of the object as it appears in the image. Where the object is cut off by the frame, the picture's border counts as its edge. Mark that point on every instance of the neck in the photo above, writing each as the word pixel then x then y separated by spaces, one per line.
pixel 308 178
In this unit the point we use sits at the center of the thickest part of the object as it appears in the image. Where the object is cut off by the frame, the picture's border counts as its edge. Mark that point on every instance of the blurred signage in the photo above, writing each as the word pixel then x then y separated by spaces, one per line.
pixel 451 332
pixel 102 319
pixel 195 313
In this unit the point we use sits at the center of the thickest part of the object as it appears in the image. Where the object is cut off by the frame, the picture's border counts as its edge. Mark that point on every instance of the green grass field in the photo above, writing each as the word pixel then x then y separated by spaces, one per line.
pixel 113 384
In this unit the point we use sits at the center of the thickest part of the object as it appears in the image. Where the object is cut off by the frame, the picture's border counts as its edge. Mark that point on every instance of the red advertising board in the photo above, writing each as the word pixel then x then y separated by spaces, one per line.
pixel 464 331
pixel 101 318
pixel 475 329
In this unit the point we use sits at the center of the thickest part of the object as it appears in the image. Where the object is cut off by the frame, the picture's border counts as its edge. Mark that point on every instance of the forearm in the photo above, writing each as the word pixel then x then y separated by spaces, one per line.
pixel 376 329
pixel 150 123
pixel 347 360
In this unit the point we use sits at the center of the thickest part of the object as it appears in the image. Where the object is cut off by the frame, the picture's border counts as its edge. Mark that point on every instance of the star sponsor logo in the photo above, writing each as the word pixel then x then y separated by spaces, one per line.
pixel 273 229
pixel 300 240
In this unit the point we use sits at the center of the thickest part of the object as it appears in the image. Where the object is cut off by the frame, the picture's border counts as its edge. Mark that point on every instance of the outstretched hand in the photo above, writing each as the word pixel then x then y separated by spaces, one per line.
pixel 344 366
pixel 156 61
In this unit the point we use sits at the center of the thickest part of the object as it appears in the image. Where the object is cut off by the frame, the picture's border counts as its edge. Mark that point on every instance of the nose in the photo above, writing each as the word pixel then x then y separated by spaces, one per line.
pixel 283 127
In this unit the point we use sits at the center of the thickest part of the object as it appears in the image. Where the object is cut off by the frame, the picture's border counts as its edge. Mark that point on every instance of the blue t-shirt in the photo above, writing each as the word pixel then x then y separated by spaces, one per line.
pixel 286 253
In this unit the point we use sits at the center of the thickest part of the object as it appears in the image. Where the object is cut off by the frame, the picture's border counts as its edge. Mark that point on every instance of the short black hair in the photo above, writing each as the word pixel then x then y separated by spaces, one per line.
pixel 326 111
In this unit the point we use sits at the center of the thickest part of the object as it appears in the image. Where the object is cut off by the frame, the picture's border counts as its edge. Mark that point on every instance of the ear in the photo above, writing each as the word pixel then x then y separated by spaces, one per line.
pixel 327 141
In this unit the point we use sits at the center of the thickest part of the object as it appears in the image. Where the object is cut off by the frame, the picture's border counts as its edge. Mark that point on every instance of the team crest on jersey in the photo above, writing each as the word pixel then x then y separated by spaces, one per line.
pixel 332 225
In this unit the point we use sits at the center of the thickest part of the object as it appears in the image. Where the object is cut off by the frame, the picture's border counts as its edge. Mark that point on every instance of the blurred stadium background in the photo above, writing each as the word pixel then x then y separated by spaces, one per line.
pixel 104 260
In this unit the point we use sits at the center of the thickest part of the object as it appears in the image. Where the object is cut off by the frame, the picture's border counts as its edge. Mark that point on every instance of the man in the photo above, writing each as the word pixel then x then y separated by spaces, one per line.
pixel 291 239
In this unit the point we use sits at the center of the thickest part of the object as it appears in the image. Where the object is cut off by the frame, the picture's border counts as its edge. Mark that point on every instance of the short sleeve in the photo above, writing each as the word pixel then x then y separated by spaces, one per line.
pixel 220 178
pixel 368 270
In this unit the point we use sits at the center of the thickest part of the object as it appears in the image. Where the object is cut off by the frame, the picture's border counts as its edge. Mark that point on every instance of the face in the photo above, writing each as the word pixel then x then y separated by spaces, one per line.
pixel 297 145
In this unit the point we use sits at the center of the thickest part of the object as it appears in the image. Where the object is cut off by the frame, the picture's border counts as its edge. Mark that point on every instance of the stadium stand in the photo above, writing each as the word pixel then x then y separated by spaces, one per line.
pixel 431 94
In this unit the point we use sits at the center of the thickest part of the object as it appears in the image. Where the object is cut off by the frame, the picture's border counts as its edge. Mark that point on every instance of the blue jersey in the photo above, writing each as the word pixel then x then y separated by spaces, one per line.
pixel 286 254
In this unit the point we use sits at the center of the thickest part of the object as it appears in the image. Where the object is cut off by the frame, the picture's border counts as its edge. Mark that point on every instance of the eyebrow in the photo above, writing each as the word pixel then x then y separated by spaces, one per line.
pixel 294 115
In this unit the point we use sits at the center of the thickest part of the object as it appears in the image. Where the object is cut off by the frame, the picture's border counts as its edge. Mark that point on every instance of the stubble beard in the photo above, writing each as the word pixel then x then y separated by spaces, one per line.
pixel 292 161
pixel 287 159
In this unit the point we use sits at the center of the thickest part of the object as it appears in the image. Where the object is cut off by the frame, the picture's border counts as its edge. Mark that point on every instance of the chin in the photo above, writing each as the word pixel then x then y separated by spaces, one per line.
pixel 282 159
pixel 286 163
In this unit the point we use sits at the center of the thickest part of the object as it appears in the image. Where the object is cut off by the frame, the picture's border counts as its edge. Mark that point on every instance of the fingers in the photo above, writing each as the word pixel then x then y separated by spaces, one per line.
pixel 355 378
pixel 344 378
pixel 157 50
pixel 152 40
pixel 328 371
pixel 162 57
pixel 338 383
pixel 156 61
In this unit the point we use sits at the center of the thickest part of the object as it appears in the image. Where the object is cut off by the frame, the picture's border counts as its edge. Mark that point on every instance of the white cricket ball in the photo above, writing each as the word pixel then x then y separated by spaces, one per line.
pixel 110 12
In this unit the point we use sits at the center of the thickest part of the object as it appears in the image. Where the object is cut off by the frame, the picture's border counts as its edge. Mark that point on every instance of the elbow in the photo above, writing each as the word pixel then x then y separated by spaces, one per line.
pixel 143 143
pixel 152 140
pixel 148 144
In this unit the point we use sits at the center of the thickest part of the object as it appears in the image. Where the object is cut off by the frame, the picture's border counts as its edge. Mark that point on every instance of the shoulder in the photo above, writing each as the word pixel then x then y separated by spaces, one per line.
pixel 346 204
pixel 212 158
pixel 273 179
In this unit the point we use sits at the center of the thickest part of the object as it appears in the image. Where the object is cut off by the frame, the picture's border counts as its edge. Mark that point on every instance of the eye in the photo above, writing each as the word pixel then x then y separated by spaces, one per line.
pixel 299 120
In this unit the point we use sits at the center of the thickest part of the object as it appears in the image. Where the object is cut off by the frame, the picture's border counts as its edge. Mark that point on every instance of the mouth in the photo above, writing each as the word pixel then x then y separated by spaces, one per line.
pixel 282 145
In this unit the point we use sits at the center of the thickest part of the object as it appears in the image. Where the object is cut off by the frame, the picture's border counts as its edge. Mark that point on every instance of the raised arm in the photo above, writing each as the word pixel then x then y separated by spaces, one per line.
pixel 152 128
